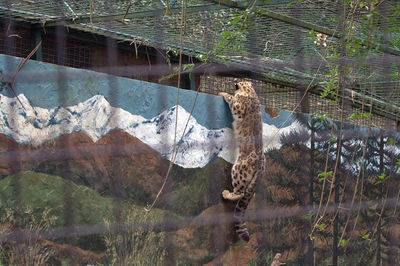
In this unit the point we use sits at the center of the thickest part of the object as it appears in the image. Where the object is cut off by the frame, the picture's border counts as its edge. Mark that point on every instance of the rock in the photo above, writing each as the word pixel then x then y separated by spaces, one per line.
pixel 239 253
pixel 212 234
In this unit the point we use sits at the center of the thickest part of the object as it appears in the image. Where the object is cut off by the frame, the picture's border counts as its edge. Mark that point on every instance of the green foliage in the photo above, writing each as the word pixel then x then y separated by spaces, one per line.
pixel 188 67
pixel 391 141
pixel 295 2
pixel 394 29
pixel 312 35
pixel 308 216
pixel 373 208
pixel 395 75
pixel 366 236
pixel 324 175
pixel 330 84
pixel 230 41
pixel 382 179
pixel 344 242
pixel 321 226
pixel 356 115
pixel 323 118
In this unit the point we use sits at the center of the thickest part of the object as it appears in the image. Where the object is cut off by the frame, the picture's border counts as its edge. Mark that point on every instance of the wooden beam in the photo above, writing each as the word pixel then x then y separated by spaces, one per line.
pixel 132 15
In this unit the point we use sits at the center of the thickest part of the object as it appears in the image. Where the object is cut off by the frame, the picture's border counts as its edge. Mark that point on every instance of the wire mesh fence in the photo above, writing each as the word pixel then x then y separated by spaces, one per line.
pixel 83 155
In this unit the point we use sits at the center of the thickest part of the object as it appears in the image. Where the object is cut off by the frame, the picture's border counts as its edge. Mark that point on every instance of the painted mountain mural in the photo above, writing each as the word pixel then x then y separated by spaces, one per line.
pixel 91 167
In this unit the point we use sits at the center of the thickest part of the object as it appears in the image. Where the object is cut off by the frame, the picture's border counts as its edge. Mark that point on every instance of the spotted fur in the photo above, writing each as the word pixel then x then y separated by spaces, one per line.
pixel 250 164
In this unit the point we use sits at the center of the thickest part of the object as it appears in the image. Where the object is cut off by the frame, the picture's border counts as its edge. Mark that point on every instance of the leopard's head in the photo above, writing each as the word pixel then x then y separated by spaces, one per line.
pixel 244 88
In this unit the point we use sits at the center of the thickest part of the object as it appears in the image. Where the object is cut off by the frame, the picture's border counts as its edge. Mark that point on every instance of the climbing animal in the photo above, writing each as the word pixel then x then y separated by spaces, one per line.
pixel 250 164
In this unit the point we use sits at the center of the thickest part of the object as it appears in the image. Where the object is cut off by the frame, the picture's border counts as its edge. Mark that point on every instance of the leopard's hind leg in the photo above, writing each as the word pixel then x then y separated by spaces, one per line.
pixel 238 183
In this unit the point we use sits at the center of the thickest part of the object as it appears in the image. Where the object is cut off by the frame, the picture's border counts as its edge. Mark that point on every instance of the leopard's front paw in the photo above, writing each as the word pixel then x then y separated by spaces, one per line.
pixel 225 194
pixel 223 94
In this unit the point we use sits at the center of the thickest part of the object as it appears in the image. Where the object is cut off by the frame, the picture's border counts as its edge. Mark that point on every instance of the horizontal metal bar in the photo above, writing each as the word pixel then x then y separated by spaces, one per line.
pixel 32 15
pixel 176 223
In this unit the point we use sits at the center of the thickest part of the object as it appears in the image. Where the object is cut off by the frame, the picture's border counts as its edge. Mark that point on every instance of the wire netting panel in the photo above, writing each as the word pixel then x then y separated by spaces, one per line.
pixel 102 170
pixel 76 54
pixel 16 42
pixel 288 98
pixel 323 106
pixel 271 95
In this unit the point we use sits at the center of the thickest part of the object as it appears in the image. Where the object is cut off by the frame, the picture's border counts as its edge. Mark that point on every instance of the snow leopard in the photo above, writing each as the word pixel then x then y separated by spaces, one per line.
pixel 250 163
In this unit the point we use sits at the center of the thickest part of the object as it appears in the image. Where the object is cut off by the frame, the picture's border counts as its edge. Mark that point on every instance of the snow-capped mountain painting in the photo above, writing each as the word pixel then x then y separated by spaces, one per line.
pixel 196 145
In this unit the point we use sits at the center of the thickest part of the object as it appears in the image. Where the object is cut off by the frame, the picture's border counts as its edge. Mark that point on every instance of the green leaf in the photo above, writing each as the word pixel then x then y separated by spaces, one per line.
pixel 308 217
pixel 344 242
pixel 322 117
pixel 323 175
pixel 373 207
pixel 188 67
pixel 382 178
pixel 294 2
pixel 391 141
pixel 202 57
pixel 366 236
pixel 355 115
pixel 321 227
pixel 367 115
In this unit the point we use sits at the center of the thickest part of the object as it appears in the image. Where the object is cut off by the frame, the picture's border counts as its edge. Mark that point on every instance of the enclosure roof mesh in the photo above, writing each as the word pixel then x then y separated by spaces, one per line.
pixel 276 43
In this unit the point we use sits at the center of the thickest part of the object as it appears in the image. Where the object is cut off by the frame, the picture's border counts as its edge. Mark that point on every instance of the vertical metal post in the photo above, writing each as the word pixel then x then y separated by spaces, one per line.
pixel 336 218
pixel 36 38
pixel 309 256
pixel 341 90
pixel 68 207
pixel 302 65
pixel 379 226
pixel 192 81
pixel 15 160
pixel 112 96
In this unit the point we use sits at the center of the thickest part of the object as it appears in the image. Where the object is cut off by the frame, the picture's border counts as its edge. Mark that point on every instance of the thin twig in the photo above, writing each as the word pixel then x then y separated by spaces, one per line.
pixel 356 188
pixel 126 13
pixel 148 58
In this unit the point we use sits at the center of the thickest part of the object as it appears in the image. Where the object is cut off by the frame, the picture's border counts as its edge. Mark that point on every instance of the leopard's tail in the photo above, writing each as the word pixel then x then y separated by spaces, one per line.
pixel 241 206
